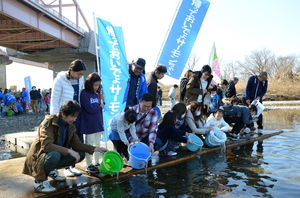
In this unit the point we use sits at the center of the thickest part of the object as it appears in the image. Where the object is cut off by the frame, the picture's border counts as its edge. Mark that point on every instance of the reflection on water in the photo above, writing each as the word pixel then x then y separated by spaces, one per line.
pixel 266 168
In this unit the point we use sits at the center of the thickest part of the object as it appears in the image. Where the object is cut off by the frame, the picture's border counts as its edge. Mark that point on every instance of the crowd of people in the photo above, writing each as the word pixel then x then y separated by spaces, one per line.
pixel 74 127
pixel 31 101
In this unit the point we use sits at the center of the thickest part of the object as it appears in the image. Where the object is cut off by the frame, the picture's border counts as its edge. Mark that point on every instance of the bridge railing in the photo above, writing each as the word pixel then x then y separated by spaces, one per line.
pixel 41 4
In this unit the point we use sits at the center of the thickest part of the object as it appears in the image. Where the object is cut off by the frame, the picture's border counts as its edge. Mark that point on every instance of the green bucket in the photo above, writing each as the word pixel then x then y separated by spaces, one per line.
pixel 112 163
pixel 9 113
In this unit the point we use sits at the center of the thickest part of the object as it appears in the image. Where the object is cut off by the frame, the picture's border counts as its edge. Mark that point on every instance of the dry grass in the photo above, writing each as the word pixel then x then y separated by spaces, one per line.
pixel 277 90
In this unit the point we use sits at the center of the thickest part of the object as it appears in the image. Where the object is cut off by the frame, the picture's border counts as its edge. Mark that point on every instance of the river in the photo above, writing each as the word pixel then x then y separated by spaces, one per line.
pixel 267 168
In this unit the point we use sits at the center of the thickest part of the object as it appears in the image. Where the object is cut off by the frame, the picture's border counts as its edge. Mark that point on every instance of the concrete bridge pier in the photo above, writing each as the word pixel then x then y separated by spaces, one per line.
pixel 4 60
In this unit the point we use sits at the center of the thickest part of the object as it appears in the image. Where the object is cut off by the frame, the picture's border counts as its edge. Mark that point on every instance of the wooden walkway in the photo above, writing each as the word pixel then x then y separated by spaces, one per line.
pixel 14 184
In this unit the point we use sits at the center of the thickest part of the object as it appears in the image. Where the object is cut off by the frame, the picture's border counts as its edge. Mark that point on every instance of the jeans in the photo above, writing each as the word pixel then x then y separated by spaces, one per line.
pixel 53 160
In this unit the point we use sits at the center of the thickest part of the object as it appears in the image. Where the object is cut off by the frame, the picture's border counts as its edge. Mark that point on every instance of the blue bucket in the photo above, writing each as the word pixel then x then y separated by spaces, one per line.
pixel 197 142
pixel 138 155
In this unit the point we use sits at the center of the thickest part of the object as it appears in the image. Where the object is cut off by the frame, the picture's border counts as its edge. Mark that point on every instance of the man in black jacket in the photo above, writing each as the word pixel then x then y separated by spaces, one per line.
pixel 230 90
pixel 34 95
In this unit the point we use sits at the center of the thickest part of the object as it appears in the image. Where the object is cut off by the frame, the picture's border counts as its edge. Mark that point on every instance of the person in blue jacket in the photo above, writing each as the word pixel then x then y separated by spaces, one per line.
pixel 91 119
pixel 10 101
pixel 24 97
pixel 256 88
pixel 137 84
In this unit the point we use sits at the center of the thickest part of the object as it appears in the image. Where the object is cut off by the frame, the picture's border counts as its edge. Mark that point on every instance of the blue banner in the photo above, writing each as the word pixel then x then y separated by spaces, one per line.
pixel 113 70
pixel 27 82
pixel 182 36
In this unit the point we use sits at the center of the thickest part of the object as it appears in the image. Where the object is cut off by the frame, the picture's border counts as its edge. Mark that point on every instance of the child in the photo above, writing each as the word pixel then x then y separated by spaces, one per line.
pixel 91 119
pixel 169 134
pixel 56 146
pixel 216 119
pixel 125 120
pixel 47 102
pixel 214 99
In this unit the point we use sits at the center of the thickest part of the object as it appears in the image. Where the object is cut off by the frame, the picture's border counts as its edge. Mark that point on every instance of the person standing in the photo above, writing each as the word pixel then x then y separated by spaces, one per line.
pixel 40 102
pixel 197 86
pixel 24 96
pixel 34 95
pixel 152 81
pixel 230 90
pixel 67 86
pixel 56 146
pixel 137 84
pixel 256 88
pixel 221 91
pixel 91 119
pixel 159 96
pixel 183 83
pixel 172 95
pixel 47 102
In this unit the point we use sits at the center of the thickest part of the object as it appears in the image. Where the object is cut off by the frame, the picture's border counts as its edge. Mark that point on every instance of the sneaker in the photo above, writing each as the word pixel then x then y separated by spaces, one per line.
pixel 236 138
pixel 68 172
pixel 247 130
pixel 172 153
pixel 92 169
pixel 43 187
pixel 55 175
pixel 252 129
pixel 75 171
pixel 260 131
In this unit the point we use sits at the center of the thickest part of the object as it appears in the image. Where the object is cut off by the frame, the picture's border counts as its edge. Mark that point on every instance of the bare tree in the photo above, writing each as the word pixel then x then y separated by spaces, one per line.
pixel 258 61
pixel 191 62
pixel 229 69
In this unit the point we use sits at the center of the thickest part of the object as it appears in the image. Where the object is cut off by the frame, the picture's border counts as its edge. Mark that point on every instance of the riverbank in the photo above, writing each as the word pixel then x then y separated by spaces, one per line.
pixel 30 121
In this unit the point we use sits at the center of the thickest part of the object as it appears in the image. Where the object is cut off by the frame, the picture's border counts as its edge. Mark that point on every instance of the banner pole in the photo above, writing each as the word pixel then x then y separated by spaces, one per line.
pixel 99 72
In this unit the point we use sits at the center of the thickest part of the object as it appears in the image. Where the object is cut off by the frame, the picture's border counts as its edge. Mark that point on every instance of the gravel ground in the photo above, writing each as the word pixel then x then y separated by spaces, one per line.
pixel 19 123
pixel 29 121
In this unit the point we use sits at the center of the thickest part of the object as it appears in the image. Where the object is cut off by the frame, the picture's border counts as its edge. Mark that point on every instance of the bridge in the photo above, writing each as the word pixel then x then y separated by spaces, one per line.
pixel 37 30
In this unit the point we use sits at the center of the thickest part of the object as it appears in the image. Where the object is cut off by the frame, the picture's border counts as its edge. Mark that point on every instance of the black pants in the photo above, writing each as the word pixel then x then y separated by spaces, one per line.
pixel 121 148
pixel 238 123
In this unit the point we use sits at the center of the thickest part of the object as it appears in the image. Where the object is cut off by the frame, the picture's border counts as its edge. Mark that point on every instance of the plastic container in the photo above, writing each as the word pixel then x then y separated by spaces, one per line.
pixel 216 137
pixel 112 163
pixel 9 113
pixel 138 155
pixel 197 142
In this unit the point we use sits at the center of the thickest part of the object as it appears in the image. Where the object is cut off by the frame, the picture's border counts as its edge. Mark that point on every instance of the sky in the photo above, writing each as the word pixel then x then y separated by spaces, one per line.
pixel 237 27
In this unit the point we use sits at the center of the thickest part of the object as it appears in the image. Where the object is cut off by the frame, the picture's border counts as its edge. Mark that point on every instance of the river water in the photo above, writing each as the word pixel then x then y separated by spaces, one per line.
pixel 268 168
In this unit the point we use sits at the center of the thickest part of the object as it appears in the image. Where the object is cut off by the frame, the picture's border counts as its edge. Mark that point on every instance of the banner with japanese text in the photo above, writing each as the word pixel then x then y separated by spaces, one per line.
pixel 215 66
pixel 182 36
pixel 113 70
pixel 27 82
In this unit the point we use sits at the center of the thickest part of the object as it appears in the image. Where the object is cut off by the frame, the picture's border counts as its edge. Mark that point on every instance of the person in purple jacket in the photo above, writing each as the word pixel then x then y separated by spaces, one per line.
pixel 91 119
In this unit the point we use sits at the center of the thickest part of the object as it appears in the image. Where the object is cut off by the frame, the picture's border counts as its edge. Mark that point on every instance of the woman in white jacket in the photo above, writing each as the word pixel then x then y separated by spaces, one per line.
pixel 67 86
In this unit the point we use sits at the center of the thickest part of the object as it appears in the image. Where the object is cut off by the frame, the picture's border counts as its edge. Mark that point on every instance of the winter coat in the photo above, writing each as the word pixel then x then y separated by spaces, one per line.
pixel 62 91
pixel 8 98
pixel 211 121
pixel 140 87
pixel 230 90
pixel 183 83
pixel 194 89
pixel 152 87
pixel 195 126
pixel 255 88
pixel 168 131
pixel 91 113
pixel 34 94
pixel 48 135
